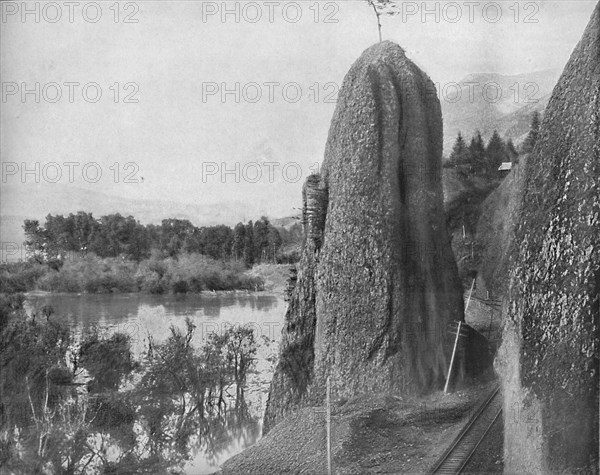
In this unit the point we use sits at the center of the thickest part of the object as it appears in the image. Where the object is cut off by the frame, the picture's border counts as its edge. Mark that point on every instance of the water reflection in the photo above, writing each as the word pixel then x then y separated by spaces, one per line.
pixel 222 437
pixel 212 437
pixel 139 315
pixel 116 307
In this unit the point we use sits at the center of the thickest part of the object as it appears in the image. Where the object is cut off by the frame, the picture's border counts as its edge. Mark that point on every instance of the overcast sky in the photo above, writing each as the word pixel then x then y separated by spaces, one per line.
pixel 175 59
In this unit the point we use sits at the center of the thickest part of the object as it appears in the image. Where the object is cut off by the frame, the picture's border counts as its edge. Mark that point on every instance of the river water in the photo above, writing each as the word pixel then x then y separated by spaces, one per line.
pixel 141 315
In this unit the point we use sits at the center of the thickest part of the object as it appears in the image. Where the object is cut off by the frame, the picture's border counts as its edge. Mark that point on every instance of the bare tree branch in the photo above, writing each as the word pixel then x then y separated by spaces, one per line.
pixel 383 7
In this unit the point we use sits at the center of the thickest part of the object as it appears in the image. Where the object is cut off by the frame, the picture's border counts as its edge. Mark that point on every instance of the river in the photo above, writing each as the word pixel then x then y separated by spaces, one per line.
pixel 141 315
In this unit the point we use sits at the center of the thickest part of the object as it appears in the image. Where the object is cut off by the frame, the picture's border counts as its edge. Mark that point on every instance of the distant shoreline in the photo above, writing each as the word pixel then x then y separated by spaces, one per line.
pixel 273 278
pixel 203 293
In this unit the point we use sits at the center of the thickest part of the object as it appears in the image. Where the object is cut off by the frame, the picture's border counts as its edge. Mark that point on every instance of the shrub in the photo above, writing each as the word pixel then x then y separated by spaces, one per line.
pixel 180 287
pixel 56 281
pixel 20 276
pixel 188 273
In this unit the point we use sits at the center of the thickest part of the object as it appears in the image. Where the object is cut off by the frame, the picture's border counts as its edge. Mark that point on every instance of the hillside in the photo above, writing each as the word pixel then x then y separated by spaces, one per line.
pixel 495 230
pixel 463 203
pixel 510 102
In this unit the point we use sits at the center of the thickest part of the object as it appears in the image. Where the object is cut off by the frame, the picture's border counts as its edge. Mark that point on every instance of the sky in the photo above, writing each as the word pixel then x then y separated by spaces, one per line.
pixel 225 102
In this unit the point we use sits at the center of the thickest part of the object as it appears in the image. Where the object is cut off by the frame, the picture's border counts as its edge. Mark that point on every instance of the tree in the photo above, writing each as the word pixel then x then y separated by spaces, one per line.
pixel 274 241
pixel 460 152
pixel 173 235
pixel 36 240
pixel 241 353
pixel 84 228
pixel 35 383
pixel 511 151
pixel 173 388
pixel 383 7
pixel 182 387
pixel 141 244
pixel 59 236
pixel 118 236
pixel 532 136
pixel 496 154
pixel 107 360
pixel 216 241
pixel 239 238
pixel 477 154
pixel 59 231
pixel 261 238
pixel 249 245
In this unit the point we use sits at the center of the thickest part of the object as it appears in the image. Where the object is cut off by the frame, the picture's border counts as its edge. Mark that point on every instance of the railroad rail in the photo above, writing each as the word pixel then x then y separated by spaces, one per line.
pixel 457 456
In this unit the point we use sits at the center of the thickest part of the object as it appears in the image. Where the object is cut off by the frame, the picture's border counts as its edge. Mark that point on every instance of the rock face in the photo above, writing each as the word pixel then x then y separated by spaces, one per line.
pixel 495 231
pixel 377 282
pixel 549 356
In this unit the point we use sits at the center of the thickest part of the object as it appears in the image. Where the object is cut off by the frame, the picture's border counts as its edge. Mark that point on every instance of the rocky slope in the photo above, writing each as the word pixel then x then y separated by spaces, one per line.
pixel 377 283
pixel 549 356
pixel 373 434
pixel 495 232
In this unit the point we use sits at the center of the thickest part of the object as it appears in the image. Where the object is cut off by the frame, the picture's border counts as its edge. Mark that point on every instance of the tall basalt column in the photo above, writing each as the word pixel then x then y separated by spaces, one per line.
pixel 387 284
pixel 377 283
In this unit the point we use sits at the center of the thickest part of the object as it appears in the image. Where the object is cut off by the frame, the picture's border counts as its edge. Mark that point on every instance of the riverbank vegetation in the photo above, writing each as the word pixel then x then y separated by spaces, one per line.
pixel 81 404
pixel 116 236
pixel 92 274
pixel 78 253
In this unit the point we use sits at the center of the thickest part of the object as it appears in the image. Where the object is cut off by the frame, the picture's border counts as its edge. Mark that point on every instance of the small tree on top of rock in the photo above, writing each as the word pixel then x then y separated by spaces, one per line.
pixel 383 7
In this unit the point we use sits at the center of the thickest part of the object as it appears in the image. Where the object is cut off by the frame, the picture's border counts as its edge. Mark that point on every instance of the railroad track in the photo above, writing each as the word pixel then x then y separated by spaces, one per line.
pixel 457 456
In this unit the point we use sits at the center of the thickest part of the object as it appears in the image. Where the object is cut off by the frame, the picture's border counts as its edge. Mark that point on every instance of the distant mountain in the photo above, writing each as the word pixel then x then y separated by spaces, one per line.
pixel 37 200
pixel 510 114
pixel 516 124
pixel 490 101
pixel 286 222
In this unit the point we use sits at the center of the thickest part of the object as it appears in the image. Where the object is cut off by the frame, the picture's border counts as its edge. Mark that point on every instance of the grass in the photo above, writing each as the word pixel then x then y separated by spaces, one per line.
pixel 275 276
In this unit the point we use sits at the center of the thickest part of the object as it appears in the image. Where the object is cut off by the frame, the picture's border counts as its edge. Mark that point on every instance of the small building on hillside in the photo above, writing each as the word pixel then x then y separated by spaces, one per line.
pixel 505 168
